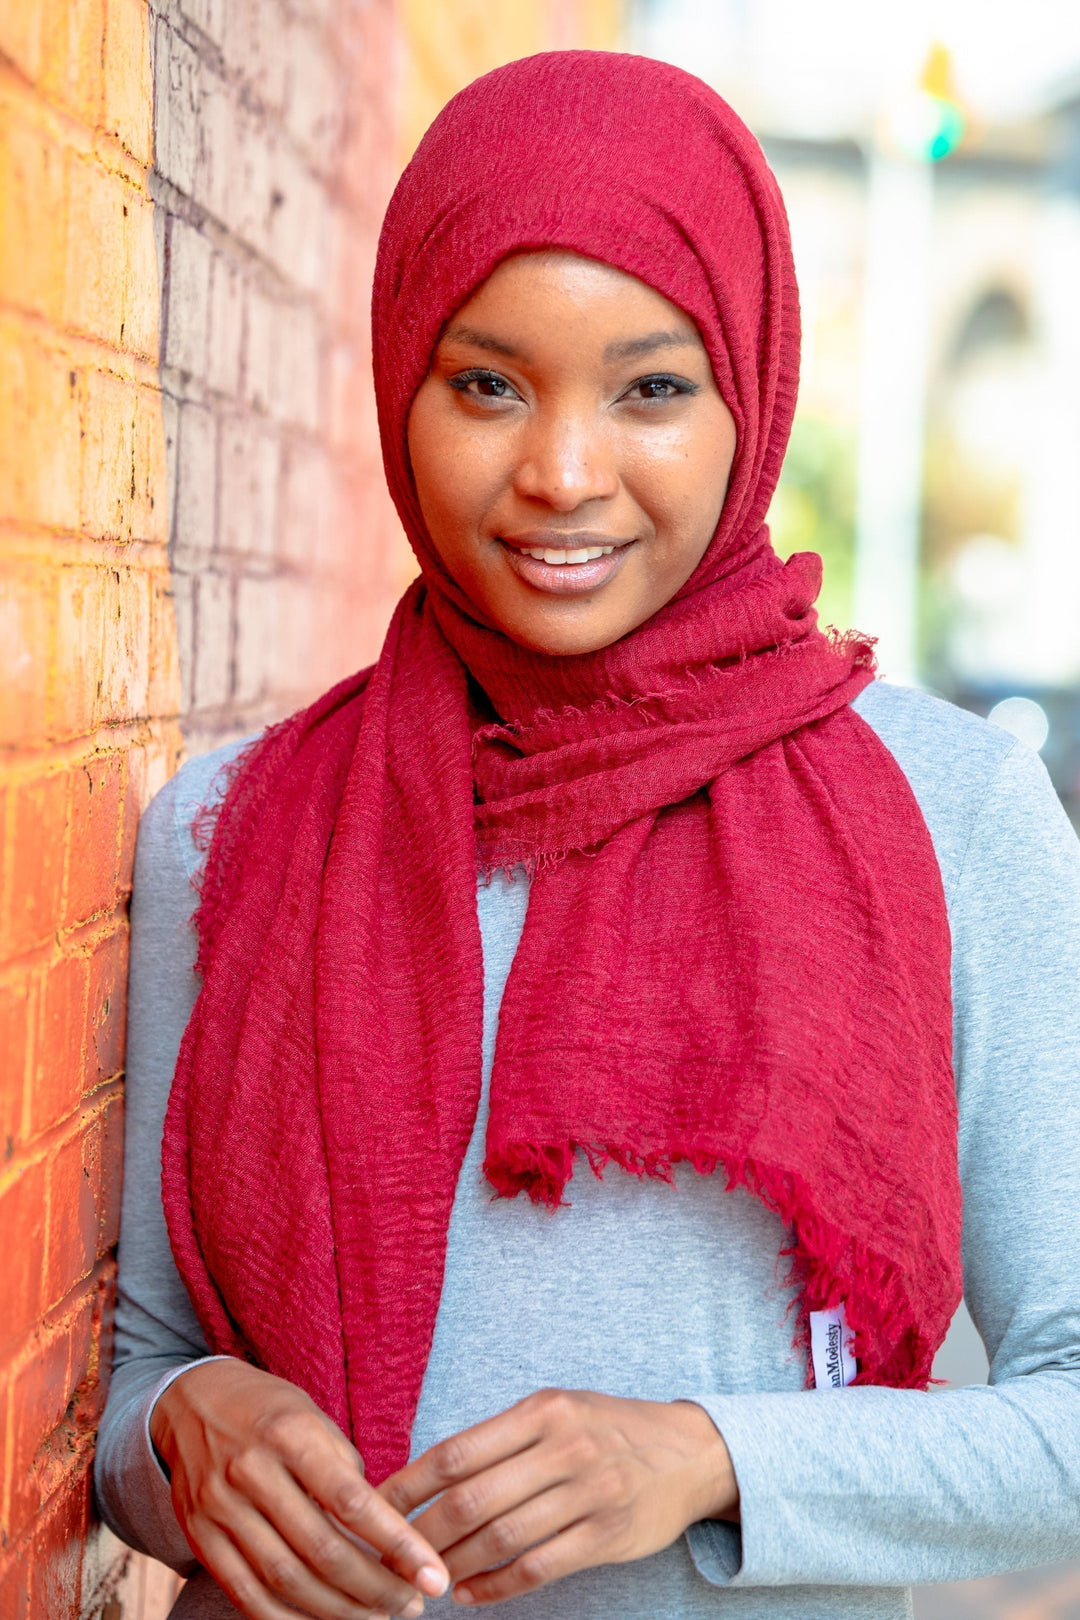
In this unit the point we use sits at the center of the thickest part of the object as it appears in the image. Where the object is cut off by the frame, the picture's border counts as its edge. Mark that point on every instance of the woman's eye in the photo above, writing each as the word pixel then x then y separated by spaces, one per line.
pixel 483 385
pixel 650 388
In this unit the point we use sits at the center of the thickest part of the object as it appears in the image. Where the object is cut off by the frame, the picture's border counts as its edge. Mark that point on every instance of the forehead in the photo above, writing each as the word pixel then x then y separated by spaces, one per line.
pixel 545 303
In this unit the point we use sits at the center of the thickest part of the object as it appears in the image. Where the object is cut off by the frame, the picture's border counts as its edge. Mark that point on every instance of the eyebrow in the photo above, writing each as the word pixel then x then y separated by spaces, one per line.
pixel 481 340
pixel 631 348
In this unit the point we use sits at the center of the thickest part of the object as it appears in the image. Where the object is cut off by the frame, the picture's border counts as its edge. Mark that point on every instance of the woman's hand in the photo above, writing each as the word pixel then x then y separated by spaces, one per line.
pixel 268 1491
pixel 562 1481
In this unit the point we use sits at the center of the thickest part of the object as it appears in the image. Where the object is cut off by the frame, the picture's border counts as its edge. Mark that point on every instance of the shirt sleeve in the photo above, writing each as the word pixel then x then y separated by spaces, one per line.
pixel 157 1334
pixel 898 1487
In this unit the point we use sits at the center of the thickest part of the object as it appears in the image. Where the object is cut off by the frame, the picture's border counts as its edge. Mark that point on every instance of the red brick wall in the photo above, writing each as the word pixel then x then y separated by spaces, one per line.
pixel 89 685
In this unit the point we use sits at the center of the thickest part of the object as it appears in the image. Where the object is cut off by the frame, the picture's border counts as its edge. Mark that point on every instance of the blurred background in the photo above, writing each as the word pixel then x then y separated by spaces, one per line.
pixel 195 536
pixel 929 154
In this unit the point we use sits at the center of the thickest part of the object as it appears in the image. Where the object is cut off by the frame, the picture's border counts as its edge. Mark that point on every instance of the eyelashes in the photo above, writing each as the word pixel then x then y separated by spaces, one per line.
pixel 495 386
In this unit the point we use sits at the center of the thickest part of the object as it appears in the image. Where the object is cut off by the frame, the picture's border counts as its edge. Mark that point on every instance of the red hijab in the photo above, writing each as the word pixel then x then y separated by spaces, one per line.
pixel 736 951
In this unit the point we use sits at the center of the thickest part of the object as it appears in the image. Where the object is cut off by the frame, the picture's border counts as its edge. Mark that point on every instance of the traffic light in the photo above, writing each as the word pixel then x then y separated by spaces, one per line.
pixel 929 123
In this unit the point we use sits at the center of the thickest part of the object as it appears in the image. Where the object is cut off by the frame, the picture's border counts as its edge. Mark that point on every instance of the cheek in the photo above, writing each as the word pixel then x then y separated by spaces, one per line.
pixel 459 475
pixel 680 480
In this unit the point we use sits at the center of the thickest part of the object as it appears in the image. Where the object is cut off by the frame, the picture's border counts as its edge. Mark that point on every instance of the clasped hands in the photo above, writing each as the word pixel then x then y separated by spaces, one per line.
pixel 273 1501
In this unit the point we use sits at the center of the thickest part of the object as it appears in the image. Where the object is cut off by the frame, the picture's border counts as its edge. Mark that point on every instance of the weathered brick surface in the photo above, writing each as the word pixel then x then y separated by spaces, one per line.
pixel 88 700
pixel 283 580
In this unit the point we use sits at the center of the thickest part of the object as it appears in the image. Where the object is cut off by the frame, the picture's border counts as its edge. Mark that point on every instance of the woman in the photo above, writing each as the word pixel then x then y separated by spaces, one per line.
pixel 608 765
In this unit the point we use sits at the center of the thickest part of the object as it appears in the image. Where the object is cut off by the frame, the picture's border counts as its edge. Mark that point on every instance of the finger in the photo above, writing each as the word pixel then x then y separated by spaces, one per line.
pixel 236 1577
pixel 462 1455
pixel 293 1585
pixel 467 1507
pixel 512 1534
pixel 331 1473
pixel 578 1547
pixel 319 1543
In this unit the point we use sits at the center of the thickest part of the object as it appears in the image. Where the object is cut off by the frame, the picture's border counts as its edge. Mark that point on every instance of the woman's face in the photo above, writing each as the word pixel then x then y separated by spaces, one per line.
pixel 571 450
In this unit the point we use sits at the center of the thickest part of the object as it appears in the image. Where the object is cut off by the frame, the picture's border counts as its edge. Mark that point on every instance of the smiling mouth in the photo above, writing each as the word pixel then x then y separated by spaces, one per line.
pixel 565 565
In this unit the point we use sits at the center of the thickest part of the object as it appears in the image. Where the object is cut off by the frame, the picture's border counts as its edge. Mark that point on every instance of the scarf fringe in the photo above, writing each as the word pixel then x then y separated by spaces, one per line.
pixel 826 1265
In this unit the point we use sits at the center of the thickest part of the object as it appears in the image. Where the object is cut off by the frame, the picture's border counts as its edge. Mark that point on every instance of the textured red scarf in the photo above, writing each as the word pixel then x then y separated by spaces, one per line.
pixel 735 952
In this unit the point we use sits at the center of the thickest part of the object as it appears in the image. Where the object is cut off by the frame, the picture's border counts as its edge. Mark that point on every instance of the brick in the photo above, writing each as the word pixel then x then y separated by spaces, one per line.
pixel 108 455
pixel 150 499
pixel 16 1014
pixel 74 687
pixel 36 862
pixel 60 1047
pixel 215 632
pixel 22 1253
pixel 70 69
pixel 226 328
pixel 259 651
pixel 208 15
pixel 163 688
pixel 177 98
pixel 128 88
pixel 187 293
pixel 33 209
pixel 296 366
pixel 107 1008
pixel 139 327
pixel 314 98
pixel 40 457
pixel 56 1554
pixel 252 44
pixel 306 495
pixel 260 322
pixel 73 1219
pixel 183 606
pixel 299 222
pixel 28 628
pixel 95 260
pixel 94 810
pixel 250 181
pixel 123 690
pixel 218 143
pixel 196 492
pixel 40 1392
pixel 249 485
pixel 21 38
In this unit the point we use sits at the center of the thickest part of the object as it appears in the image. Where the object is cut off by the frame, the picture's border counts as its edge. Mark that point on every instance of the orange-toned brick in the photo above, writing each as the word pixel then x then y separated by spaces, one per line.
pixel 150 503
pixel 57 1082
pixel 28 629
pixel 95 267
pixel 33 207
pixel 141 278
pixel 106 1008
pixel 76 663
pixel 73 1216
pixel 72 41
pixel 39 430
pixel 108 455
pixel 128 87
pixel 40 1391
pixel 56 1553
pixel 15 1019
pixel 35 871
pixel 94 808
pixel 22 1253
pixel 124 673
pixel 107 1170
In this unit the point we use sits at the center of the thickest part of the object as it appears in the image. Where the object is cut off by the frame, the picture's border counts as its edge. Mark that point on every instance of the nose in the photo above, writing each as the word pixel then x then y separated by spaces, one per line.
pixel 565 461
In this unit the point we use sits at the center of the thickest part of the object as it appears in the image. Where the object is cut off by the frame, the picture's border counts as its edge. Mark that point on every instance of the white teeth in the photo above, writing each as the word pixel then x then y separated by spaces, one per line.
pixel 586 554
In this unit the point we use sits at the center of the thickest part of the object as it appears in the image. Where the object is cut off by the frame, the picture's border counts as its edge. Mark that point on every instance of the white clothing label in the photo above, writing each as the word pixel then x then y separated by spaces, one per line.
pixel 830 1346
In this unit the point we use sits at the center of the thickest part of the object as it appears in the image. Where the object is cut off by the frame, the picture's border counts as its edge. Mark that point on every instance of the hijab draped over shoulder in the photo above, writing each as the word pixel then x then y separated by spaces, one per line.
pixel 735 953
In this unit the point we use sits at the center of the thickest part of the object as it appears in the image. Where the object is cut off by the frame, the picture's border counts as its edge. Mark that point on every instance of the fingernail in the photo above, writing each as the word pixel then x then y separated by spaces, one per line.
pixel 463 1595
pixel 413 1609
pixel 431 1580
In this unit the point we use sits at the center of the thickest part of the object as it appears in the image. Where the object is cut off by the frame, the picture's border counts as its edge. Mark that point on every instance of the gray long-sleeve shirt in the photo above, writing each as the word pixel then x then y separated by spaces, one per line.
pixel 660 1292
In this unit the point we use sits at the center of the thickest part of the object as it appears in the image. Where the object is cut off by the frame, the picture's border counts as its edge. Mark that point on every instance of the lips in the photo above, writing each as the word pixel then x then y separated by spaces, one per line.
pixel 569 565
